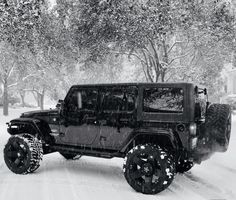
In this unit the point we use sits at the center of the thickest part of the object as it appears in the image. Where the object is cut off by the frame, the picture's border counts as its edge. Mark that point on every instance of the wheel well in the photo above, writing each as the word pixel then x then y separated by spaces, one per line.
pixel 40 129
pixel 19 128
pixel 163 141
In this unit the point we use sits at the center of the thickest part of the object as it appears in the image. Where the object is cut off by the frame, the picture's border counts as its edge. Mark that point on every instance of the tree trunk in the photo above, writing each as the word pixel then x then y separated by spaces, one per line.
pixel 41 99
pixel 5 98
pixel 22 96
pixel 165 59
pixel 35 94
pixel 38 100
pixel 234 59
pixel 162 77
pixel 1 89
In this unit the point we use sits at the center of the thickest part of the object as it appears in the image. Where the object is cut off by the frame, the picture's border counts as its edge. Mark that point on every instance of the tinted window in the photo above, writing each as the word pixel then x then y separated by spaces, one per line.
pixel 89 99
pixel 83 99
pixel 163 100
pixel 118 100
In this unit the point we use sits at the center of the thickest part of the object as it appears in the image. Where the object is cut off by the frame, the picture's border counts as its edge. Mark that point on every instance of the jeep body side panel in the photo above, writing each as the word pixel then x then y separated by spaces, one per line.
pixel 112 129
pixel 111 138
pixel 154 133
pixel 181 136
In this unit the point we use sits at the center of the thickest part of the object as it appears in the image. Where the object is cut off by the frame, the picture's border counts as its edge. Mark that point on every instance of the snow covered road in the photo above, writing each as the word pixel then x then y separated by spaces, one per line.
pixel 94 178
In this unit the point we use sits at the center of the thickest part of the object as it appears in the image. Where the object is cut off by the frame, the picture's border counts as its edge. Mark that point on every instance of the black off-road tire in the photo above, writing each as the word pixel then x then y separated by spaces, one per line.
pixel 149 169
pixel 184 166
pixel 23 153
pixel 69 156
pixel 218 126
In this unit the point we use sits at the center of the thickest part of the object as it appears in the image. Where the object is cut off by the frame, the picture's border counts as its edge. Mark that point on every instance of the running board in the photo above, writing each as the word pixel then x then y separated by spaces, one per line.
pixel 87 151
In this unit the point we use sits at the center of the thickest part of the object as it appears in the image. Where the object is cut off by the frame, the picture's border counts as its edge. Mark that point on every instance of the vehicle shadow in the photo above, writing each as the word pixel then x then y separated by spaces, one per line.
pixel 106 169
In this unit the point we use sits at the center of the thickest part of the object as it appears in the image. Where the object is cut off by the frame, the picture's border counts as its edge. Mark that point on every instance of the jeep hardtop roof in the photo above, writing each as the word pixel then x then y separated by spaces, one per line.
pixel 170 84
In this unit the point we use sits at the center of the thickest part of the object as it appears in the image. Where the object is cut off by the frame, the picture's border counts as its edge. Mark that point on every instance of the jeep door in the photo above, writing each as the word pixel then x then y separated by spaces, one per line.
pixel 80 127
pixel 117 116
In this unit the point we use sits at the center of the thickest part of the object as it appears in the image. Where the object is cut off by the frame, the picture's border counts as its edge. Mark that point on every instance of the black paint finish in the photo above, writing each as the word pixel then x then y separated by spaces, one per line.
pixel 111 117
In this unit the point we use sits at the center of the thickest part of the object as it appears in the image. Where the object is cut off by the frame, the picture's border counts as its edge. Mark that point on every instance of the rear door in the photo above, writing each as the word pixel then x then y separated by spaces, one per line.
pixel 117 116
pixel 80 126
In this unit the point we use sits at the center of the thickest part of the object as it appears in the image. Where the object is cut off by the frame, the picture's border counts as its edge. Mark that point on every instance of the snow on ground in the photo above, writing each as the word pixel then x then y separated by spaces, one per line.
pixel 94 178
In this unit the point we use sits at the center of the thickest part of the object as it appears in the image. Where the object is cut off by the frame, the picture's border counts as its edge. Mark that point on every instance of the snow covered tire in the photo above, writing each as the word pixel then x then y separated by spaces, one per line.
pixel 218 125
pixel 23 153
pixel 149 169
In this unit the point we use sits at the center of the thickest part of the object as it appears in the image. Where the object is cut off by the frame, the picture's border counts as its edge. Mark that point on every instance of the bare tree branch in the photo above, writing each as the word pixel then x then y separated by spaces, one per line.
pixel 147 66
pixel 9 72
pixel 175 43
pixel 129 54
pixel 181 56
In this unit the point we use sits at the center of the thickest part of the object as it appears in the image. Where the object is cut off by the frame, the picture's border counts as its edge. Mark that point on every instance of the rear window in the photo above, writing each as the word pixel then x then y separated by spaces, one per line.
pixel 164 100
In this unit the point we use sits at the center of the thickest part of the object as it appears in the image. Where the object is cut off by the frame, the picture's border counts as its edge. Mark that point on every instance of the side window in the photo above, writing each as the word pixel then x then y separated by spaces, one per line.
pixel 163 100
pixel 83 99
pixel 118 100
pixel 88 99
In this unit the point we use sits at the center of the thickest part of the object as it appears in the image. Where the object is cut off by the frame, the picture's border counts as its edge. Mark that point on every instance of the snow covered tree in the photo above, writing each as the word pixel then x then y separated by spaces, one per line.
pixel 160 34
pixel 19 22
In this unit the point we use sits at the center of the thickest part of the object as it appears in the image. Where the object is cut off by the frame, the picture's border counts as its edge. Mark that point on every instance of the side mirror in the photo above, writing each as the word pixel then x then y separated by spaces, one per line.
pixel 60 104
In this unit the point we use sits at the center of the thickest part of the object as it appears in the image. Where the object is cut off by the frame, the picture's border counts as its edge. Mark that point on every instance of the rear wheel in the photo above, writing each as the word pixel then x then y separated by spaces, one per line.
pixel 23 153
pixel 149 169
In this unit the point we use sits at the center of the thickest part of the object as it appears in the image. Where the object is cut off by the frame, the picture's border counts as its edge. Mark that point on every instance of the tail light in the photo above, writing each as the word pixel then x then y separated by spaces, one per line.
pixel 193 129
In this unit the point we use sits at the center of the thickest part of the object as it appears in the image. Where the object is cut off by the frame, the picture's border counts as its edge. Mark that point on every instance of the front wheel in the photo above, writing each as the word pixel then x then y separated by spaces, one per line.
pixel 23 153
pixel 149 169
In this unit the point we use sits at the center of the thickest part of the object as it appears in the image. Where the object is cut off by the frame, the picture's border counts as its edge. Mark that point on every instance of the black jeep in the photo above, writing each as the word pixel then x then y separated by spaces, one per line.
pixel 159 129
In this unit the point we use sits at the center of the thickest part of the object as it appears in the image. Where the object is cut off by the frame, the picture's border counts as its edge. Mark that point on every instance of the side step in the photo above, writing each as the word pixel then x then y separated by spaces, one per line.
pixel 87 151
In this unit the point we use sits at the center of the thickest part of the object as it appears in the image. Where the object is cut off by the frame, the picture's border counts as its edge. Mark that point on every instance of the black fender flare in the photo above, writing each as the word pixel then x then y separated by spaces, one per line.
pixel 153 132
pixel 37 127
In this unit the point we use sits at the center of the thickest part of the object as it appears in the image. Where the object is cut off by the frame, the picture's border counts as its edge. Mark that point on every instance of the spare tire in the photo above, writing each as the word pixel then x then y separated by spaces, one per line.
pixel 218 126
